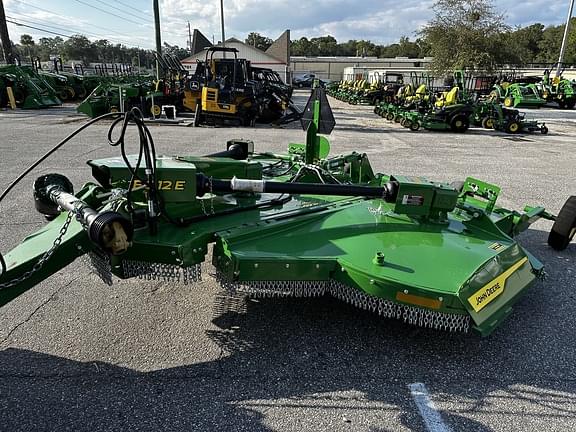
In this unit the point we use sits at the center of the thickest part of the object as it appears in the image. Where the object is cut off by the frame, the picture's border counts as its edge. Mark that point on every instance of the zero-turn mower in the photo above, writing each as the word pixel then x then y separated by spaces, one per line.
pixel 305 223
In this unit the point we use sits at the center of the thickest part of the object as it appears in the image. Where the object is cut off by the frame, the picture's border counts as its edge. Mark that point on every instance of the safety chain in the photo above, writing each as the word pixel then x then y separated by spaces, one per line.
pixel 45 257
pixel 212 212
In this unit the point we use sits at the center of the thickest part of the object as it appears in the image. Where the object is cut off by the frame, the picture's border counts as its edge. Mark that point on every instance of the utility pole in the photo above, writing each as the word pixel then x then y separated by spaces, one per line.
pixel 190 39
pixel 158 39
pixel 5 37
pixel 564 39
pixel 222 22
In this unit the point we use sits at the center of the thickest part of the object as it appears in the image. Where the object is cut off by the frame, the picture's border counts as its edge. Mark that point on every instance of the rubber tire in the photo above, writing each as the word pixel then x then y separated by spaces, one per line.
pixel 564 227
pixel 488 123
pixel 513 127
pixel 544 130
pixel 397 118
pixel 415 126
pixel 465 123
pixel 403 122
pixel 561 104
pixel 570 104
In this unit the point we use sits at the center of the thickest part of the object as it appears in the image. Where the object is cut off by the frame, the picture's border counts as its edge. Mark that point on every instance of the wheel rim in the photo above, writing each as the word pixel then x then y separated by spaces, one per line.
pixel 458 124
pixel 490 124
pixel 508 102
pixel 514 127
pixel 156 110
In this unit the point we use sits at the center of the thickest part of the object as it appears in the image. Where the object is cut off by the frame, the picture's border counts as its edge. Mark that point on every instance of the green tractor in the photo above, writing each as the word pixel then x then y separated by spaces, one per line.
pixel 518 95
pixel 111 97
pixel 559 90
pixel 30 90
pixel 303 224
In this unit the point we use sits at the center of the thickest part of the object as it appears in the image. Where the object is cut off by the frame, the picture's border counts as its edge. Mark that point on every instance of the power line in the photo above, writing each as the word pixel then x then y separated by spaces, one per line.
pixel 146 19
pixel 54 13
pixel 36 28
pixel 80 31
pixel 109 13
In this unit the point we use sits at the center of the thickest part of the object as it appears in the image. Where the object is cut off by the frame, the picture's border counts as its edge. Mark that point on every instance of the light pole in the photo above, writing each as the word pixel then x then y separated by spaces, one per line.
pixel 564 39
pixel 222 22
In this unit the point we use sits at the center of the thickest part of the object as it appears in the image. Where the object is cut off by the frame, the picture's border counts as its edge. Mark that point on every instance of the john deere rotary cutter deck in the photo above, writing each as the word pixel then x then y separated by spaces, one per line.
pixel 300 224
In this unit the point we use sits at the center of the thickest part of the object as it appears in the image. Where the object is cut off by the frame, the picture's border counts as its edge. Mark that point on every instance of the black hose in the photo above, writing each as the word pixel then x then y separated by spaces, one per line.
pixel 146 149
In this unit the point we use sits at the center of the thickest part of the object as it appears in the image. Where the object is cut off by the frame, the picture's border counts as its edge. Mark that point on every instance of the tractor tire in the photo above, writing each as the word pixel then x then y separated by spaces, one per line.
pixel 397 118
pixel 508 102
pixel 155 110
pixel 459 123
pixel 570 104
pixel 564 227
pixel 544 130
pixel 415 126
pixel 390 116
pixel 512 127
pixel 488 123
pixel 561 104
pixel 63 95
pixel 403 122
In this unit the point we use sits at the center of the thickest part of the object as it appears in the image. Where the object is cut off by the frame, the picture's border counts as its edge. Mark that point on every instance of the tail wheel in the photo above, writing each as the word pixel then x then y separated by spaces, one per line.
pixel 488 123
pixel 155 110
pixel 415 126
pixel 513 127
pixel 508 102
pixel 564 227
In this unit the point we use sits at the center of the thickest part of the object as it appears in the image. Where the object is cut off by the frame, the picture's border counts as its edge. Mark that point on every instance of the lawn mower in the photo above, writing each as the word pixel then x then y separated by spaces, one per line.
pixel 512 121
pixel 301 224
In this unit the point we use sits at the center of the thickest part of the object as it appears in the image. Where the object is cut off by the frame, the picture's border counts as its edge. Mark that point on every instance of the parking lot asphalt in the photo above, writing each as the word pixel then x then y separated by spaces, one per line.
pixel 152 356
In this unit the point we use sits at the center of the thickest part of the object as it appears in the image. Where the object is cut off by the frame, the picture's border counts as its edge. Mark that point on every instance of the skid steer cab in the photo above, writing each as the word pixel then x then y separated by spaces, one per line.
pixel 229 96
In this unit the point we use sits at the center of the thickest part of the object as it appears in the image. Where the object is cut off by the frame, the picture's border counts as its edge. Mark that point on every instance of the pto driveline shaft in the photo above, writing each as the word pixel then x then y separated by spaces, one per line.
pixel 205 184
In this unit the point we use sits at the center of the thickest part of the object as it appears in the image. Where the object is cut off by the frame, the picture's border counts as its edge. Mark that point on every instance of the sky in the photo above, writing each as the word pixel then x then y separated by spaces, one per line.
pixel 130 22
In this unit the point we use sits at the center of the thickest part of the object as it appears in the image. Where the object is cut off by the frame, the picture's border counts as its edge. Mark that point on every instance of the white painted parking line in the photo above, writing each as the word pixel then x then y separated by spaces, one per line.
pixel 427 409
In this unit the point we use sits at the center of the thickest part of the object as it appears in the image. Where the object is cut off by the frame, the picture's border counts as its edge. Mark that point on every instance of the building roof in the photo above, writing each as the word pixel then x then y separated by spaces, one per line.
pixel 256 56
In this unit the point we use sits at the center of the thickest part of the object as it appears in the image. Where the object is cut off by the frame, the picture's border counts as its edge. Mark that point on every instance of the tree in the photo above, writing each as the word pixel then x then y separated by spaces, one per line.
pixel 466 34
pixel 79 47
pixel 258 41
pixel 27 42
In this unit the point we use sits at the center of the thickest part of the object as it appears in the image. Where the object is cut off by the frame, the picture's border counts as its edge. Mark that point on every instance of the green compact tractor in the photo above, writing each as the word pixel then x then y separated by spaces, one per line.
pixel 559 90
pixel 109 97
pixel 518 95
pixel 301 224
pixel 30 90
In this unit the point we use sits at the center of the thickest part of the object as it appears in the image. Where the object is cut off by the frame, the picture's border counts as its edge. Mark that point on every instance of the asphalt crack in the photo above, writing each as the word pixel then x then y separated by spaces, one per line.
pixel 35 311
